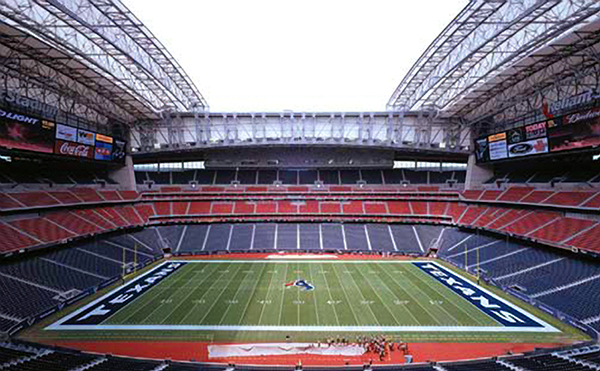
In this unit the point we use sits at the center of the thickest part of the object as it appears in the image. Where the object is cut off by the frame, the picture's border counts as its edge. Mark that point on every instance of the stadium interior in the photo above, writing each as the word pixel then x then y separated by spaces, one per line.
pixel 485 162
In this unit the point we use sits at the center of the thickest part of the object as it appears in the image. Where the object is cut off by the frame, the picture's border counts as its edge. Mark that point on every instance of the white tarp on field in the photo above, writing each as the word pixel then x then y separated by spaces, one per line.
pixel 267 349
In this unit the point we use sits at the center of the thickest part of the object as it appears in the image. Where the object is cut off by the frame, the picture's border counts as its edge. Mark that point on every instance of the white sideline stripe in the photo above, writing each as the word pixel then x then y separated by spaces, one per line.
pixel 305 328
pixel 293 256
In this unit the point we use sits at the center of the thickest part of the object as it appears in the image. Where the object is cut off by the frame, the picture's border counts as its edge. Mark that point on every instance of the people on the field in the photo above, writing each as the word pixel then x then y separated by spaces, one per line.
pixel 379 345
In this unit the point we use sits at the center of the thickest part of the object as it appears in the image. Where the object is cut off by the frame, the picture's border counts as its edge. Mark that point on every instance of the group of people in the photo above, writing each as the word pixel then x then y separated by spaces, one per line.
pixel 372 344
pixel 381 345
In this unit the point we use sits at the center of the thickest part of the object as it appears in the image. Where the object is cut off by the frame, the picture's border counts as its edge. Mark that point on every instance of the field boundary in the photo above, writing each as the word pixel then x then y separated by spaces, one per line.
pixel 119 297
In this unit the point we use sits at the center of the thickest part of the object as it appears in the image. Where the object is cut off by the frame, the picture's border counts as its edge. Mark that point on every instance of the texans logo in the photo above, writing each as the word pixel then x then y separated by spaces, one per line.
pixel 301 283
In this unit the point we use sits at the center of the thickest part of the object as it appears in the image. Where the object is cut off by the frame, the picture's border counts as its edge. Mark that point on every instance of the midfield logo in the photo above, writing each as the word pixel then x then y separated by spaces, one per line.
pixel 301 283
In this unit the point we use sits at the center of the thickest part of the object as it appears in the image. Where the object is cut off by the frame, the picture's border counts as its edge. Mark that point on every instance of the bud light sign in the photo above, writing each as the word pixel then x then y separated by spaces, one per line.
pixel 62 147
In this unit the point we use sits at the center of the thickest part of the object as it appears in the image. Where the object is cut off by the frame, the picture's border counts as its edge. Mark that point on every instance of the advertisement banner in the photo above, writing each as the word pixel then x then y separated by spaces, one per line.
pixel 497 137
pixel 104 138
pixel 482 153
pixel 118 152
pixel 535 131
pixel 530 147
pixel 578 130
pixel 65 132
pixel 25 132
pixel 103 151
pixel 85 137
pixel 73 149
pixel 515 135
pixel 498 150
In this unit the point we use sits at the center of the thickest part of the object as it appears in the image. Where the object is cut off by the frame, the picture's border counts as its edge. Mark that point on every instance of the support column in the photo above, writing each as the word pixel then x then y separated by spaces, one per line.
pixel 125 175
pixel 477 173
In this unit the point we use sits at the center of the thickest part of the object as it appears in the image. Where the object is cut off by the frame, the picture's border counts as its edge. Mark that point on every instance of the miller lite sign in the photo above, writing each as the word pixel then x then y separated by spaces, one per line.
pixel 62 147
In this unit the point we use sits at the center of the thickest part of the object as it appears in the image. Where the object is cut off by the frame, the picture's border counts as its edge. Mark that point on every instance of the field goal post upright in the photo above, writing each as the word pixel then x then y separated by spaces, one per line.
pixel 123 263
pixel 135 257
pixel 477 264
pixel 466 258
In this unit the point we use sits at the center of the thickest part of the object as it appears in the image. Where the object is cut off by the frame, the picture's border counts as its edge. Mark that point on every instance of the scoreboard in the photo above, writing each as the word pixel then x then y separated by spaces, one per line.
pixel 568 132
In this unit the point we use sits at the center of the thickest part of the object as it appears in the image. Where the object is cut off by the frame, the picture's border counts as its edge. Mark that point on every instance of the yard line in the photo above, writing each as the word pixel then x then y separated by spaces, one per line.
pixel 170 293
pixel 238 291
pixel 429 283
pixel 383 284
pixel 221 293
pixel 145 297
pixel 262 310
pixel 346 296
pixel 413 298
pixel 282 295
pixel 218 268
pixel 383 314
pixel 457 322
pixel 379 296
pixel 323 329
pixel 198 285
pixel 460 307
pixel 316 306
pixel 298 291
pixel 337 320
pixel 363 298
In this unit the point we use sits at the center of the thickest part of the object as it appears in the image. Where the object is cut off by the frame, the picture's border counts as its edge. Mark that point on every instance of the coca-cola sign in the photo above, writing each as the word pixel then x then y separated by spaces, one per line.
pixel 62 147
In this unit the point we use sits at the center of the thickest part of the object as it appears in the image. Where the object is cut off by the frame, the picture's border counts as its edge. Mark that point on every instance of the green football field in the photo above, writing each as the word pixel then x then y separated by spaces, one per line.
pixel 266 300
pixel 345 294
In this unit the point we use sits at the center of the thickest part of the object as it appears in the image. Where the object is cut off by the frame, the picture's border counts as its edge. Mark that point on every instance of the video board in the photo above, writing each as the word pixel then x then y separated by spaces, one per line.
pixel 24 132
pixel 30 133
pixel 569 132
